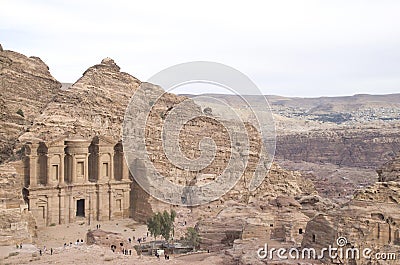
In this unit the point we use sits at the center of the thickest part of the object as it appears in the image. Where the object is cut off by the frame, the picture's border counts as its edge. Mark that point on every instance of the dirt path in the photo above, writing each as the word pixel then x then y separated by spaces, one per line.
pixel 55 237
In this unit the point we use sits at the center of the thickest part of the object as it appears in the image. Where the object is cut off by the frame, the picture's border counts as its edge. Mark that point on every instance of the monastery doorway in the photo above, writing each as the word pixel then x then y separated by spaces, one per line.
pixel 80 208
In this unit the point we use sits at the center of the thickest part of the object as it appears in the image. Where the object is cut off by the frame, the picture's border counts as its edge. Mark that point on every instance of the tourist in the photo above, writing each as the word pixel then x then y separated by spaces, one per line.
pixel 129 240
pixel 17 246
pixel 20 245
pixel 130 252
pixel 51 251
pixel 40 252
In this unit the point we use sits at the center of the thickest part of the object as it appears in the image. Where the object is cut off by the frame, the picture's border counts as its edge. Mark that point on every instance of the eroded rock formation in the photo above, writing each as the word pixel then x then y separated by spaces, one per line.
pixel 26 87
pixel 370 220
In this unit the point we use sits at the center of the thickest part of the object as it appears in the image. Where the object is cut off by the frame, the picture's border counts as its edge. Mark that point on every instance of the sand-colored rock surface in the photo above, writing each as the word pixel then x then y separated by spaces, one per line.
pixel 370 220
pixel 26 87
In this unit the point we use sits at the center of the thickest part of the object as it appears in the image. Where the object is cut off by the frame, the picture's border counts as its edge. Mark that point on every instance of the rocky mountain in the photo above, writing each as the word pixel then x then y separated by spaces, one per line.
pixel 96 104
pixel 332 139
pixel 26 87
pixel 93 105
pixel 285 210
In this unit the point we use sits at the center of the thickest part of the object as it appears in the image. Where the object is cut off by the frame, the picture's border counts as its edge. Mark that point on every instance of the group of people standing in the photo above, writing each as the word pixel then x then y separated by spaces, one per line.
pixel 45 250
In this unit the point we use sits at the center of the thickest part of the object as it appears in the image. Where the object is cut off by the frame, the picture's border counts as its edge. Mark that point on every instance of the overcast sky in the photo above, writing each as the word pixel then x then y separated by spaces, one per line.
pixel 291 48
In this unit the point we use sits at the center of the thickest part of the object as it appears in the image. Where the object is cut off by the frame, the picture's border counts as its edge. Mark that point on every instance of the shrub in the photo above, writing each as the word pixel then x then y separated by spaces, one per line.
pixel 20 112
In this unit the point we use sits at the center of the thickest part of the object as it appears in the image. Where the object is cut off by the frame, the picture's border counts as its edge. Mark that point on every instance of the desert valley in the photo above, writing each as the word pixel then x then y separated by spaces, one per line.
pixel 63 176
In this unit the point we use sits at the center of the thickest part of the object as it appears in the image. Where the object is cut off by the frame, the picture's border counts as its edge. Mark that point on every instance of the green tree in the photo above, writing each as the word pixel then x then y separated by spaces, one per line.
pixel 192 237
pixel 167 224
pixel 162 224
pixel 154 225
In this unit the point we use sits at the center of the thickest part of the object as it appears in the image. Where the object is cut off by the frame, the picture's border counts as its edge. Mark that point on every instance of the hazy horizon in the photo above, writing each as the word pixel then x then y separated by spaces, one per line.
pixel 197 92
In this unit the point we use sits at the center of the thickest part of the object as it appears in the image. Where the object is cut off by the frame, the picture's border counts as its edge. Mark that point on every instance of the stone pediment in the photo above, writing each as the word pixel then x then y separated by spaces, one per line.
pixel 42 200
pixel 57 142
pixel 103 140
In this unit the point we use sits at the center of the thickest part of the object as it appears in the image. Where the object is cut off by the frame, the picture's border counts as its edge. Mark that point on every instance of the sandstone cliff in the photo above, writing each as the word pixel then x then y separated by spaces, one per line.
pixel 390 171
pixel 93 105
pixel 16 222
pixel 370 220
pixel 363 147
pixel 26 87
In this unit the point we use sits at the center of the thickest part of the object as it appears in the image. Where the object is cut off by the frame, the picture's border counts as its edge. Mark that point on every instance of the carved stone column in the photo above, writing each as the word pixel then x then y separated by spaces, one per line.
pixel 49 210
pixel 61 170
pixel 99 173
pixel 100 205
pixel 86 168
pixel 61 205
pixel 125 205
pixel 111 206
pixel 33 171
pixel 125 169
pixel 90 202
pixel 73 173
pixel 49 180
pixel 111 167
pixel 71 208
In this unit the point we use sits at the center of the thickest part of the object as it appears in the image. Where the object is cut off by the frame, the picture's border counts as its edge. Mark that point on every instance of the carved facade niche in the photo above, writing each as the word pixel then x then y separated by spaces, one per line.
pixel 105 167
pixel 101 159
pixel 118 207
pixel 77 161
pixel 27 161
pixel 93 164
pixel 119 161
pixel 55 168
pixel 42 164
pixel 40 210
